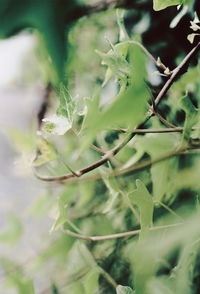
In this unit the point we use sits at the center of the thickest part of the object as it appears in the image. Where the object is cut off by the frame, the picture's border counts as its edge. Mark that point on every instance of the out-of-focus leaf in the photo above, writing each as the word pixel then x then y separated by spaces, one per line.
pixel 192 116
pixel 144 201
pixel 191 37
pixel 129 107
pixel 61 213
pixel 113 189
pixel 184 271
pixel 16 278
pixel 162 4
pixel 116 62
pixel 50 18
pixel 178 17
pixel 160 286
pixel 13 230
pixel 124 290
pixel 90 282
pixel 157 145
pixel 47 151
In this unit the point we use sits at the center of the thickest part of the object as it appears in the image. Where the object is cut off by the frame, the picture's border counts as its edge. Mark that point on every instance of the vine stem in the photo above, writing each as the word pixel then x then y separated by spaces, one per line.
pixel 178 71
pixel 119 235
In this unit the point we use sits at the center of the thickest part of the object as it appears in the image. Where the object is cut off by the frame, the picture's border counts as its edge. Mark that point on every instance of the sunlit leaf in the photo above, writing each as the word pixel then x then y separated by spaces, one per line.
pixel 162 4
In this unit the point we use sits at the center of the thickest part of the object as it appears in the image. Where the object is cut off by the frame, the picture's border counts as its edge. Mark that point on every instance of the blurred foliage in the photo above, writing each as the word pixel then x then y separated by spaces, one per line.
pixel 102 82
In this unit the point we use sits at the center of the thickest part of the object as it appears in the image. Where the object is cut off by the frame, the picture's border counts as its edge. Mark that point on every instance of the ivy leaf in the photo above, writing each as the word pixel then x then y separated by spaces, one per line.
pixel 157 145
pixel 47 152
pixel 60 212
pixel 130 105
pixel 116 61
pixel 113 188
pixel 124 290
pixel 162 4
pixel 142 198
pixel 91 282
pixel 192 116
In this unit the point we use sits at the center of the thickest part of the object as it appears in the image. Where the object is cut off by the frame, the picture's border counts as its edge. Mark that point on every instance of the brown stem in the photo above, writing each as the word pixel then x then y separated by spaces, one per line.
pixel 173 129
pixel 119 235
pixel 178 71
pixel 164 121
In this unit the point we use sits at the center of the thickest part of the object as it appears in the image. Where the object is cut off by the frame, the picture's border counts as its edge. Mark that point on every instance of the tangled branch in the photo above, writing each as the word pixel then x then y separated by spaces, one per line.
pixel 177 72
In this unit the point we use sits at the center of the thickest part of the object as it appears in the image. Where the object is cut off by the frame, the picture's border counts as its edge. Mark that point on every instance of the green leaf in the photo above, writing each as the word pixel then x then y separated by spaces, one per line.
pixel 124 290
pixel 157 145
pixel 162 4
pixel 91 282
pixel 47 152
pixel 142 198
pixel 115 61
pixel 192 116
pixel 60 212
pixel 16 278
pixel 130 105
pixel 51 19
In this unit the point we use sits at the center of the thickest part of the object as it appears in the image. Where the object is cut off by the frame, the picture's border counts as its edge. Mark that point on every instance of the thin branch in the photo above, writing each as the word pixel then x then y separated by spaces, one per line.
pixel 181 69
pixel 173 129
pixel 178 71
pixel 163 120
pixel 119 235
pixel 151 57
pixel 119 172
pixel 94 147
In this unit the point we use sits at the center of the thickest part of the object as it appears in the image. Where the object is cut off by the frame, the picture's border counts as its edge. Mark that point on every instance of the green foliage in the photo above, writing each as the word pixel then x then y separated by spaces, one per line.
pixel 149 181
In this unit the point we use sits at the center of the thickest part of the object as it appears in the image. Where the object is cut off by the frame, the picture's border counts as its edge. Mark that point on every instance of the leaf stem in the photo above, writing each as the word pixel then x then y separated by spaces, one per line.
pixel 119 235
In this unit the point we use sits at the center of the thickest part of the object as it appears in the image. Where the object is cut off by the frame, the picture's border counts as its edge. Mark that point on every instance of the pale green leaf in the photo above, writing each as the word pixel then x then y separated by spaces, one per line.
pixel 192 116
pixel 91 282
pixel 163 172
pixel 113 189
pixel 191 37
pixel 124 290
pixel 130 105
pixel 144 201
pixel 47 152
pixel 162 4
